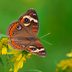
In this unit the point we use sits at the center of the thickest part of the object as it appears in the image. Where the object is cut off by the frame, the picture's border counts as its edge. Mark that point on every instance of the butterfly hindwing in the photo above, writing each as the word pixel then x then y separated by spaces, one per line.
pixel 37 48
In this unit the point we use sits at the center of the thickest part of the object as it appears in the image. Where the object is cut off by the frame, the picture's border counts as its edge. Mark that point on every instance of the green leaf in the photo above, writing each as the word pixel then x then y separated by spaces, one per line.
pixel 1 62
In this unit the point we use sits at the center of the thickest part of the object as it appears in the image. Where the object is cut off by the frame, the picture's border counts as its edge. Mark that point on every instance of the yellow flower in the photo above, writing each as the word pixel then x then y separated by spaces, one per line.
pixel 29 55
pixel 4 50
pixel 4 40
pixel 69 54
pixel 65 63
pixel 19 64
pixel 18 57
pixel 19 60
pixel 1 45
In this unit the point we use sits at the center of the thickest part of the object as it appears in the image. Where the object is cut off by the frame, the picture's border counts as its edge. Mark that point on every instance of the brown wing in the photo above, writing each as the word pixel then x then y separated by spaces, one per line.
pixel 26 27
pixel 17 35
pixel 30 22
pixel 37 48
pixel 12 29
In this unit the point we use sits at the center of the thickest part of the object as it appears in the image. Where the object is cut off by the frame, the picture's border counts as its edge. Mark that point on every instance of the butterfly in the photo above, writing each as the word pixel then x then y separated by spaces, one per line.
pixel 23 34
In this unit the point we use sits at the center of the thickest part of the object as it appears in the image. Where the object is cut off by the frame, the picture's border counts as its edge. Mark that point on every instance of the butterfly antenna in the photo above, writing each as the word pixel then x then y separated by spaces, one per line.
pixel 45 35
pixel 47 42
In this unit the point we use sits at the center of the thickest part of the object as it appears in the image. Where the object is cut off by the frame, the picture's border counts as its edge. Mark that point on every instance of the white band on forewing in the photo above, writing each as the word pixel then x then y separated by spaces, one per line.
pixel 38 50
pixel 29 17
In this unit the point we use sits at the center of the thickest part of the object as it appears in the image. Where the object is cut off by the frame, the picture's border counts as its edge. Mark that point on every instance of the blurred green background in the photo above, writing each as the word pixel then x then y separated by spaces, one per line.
pixel 55 17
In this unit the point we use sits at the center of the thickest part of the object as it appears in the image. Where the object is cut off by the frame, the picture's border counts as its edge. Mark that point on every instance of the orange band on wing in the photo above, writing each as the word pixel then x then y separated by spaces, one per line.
pixel 35 28
pixel 21 20
pixel 15 45
pixel 12 29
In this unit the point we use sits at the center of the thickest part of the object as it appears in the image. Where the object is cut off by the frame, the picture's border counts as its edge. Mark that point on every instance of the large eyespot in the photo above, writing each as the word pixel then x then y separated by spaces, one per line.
pixel 19 27
pixel 26 22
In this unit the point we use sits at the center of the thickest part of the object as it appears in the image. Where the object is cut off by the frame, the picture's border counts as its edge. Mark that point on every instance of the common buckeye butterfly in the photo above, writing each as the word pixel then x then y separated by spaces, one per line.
pixel 23 33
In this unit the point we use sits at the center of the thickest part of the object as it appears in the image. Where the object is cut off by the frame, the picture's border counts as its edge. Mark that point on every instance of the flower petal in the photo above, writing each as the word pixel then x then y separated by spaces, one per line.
pixel 4 50
pixel 19 57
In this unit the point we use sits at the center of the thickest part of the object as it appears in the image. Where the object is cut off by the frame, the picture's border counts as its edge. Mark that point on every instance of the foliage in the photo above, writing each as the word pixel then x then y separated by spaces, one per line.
pixel 16 58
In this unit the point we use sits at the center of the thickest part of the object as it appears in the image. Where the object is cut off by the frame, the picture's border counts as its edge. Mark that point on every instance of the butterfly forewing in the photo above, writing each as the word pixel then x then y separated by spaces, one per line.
pixel 32 24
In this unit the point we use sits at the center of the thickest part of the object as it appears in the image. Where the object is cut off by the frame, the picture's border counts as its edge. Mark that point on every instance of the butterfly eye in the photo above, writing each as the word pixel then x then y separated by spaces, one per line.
pixel 26 22
pixel 19 27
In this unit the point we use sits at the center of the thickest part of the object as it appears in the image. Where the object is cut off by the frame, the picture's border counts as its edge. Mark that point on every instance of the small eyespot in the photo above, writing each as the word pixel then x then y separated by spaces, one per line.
pixel 19 27
pixel 33 49
pixel 26 20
